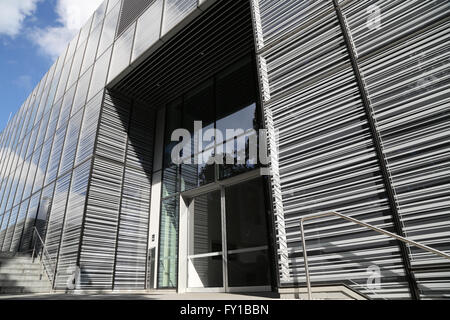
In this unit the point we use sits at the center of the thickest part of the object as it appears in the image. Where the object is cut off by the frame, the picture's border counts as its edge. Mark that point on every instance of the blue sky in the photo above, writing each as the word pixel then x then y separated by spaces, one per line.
pixel 32 35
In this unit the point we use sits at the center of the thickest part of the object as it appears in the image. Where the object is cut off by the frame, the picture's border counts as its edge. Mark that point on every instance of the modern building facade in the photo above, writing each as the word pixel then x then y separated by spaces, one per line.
pixel 353 94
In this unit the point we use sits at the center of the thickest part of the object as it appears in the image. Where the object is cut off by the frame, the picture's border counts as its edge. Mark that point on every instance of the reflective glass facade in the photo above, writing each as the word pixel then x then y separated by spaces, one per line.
pixel 355 104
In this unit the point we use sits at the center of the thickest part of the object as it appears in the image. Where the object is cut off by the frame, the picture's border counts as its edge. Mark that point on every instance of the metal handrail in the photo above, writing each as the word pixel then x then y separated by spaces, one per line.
pixel 44 252
pixel 379 230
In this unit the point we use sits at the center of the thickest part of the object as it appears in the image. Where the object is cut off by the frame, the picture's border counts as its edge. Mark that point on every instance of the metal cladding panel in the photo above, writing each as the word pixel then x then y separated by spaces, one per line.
pixel 404 60
pixel 132 241
pixel 327 158
pixel 115 230
pixel 131 9
pixel 70 238
pixel 100 225
pixel 57 216
pixel 104 198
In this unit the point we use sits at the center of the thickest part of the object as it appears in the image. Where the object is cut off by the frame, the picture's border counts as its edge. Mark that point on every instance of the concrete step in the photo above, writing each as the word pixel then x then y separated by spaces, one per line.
pixel 19 274
pixel 12 269
pixel 20 290
pixel 24 261
pixel 22 276
pixel 19 264
pixel 24 283
pixel 7 255
pixel 20 267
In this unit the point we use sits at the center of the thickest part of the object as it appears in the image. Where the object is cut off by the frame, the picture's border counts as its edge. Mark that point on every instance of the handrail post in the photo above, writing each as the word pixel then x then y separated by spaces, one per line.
pixel 305 258
pixel 34 246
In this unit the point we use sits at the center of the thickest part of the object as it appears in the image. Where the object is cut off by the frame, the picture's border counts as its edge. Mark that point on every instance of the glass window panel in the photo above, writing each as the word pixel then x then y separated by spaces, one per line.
pixel 121 52
pixel 170 181
pixel 236 97
pixel 168 244
pixel 173 122
pixel 148 28
pixel 206 272
pixel 205 228
pixel 199 106
pixel 109 30
pixel 175 11
pixel 236 155
pixel 246 215
pixel 249 269
pixel 201 171
pixel 99 74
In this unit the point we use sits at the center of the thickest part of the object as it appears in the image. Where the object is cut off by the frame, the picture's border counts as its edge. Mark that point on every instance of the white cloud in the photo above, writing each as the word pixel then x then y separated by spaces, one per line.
pixel 72 15
pixel 13 14
pixel 24 81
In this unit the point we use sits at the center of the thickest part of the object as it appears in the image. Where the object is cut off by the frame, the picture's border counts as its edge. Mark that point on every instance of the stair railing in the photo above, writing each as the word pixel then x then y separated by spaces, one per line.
pixel 44 256
pixel 356 221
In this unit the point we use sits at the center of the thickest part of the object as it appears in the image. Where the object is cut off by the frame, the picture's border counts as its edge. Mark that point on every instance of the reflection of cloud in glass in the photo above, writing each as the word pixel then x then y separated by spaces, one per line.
pixel 175 11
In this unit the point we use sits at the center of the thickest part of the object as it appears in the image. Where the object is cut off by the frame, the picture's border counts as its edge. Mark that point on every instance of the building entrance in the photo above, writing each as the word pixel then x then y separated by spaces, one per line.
pixel 227 239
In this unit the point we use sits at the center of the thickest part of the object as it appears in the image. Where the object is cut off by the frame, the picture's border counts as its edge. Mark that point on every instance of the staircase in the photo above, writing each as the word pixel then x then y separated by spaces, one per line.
pixel 19 275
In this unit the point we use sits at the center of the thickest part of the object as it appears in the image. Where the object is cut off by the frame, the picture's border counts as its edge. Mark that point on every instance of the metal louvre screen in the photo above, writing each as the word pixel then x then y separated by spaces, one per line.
pixel 114 244
pixel 328 158
pixel 405 63
pixel 70 240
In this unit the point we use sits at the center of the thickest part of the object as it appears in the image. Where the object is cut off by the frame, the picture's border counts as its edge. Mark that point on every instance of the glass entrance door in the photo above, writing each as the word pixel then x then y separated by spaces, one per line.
pixel 205 251
pixel 228 240
pixel 247 236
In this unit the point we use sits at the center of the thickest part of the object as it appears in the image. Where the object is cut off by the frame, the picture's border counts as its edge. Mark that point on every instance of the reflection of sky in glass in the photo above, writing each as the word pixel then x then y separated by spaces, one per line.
pixel 175 11
pixel 148 28
pixel 242 119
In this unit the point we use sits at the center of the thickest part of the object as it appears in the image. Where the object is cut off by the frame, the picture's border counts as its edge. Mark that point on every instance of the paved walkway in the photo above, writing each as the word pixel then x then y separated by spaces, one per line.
pixel 143 296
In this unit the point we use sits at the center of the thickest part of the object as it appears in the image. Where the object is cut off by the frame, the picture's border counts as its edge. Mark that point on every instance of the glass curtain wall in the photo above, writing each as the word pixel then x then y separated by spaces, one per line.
pixel 227 101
